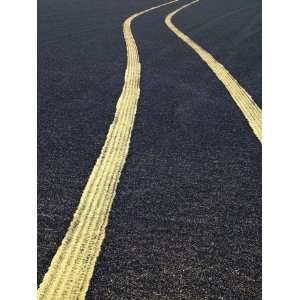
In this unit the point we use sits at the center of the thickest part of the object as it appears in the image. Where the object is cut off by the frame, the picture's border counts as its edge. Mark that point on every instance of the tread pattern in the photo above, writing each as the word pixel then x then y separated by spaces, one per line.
pixel 243 100
pixel 72 266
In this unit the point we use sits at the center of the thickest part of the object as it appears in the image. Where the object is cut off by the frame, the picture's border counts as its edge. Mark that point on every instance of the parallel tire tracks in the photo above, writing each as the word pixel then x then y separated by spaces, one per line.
pixel 243 100
pixel 73 264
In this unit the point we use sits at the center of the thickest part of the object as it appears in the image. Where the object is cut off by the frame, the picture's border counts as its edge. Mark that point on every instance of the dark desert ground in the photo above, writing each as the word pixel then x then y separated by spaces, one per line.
pixel 186 219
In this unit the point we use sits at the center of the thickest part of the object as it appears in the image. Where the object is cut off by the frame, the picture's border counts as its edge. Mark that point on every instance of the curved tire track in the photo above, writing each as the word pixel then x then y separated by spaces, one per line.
pixel 72 266
pixel 243 100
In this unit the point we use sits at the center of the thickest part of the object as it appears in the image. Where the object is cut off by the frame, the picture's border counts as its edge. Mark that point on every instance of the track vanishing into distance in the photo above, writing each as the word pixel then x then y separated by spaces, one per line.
pixel 243 100
pixel 74 261
pixel 72 266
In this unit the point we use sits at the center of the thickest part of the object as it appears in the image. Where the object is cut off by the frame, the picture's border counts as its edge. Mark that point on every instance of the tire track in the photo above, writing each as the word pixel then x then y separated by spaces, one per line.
pixel 73 264
pixel 243 100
